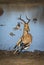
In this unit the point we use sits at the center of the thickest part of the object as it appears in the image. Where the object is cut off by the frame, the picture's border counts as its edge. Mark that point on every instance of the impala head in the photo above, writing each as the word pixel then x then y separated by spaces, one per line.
pixel 26 24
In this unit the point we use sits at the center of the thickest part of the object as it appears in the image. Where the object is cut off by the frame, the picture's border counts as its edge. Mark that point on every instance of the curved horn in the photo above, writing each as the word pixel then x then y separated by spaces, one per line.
pixel 28 19
pixel 21 19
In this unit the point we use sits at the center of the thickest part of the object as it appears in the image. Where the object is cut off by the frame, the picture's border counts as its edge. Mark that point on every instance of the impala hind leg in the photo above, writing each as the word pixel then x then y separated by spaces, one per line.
pixel 16 51
pixel 16 48
pixel 22 46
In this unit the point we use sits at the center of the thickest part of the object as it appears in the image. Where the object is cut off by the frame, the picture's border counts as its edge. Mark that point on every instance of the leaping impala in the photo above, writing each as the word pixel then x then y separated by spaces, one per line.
pixel 26 39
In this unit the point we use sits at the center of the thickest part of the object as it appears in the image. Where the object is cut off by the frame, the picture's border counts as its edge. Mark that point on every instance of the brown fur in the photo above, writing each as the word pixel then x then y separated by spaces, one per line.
pixel 26 37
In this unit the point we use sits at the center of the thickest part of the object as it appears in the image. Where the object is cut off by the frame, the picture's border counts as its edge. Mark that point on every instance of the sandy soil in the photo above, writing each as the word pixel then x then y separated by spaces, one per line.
pixel 22 59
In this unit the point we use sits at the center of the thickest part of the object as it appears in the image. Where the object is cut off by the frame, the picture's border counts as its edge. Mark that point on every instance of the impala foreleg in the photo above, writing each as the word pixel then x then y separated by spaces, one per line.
pixel 15 46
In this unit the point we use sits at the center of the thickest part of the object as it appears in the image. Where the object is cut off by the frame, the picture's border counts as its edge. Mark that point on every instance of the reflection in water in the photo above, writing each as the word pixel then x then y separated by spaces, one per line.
pixel 17 27
pixel 2 25
pixel 11 34
pixel 35 20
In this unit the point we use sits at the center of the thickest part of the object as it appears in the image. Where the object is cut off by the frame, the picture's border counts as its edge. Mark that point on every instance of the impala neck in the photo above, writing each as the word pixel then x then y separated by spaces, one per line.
pixel 25 32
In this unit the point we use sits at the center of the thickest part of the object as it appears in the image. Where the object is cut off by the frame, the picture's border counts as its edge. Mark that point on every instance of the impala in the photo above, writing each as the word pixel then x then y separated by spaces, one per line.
pixel 26 38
